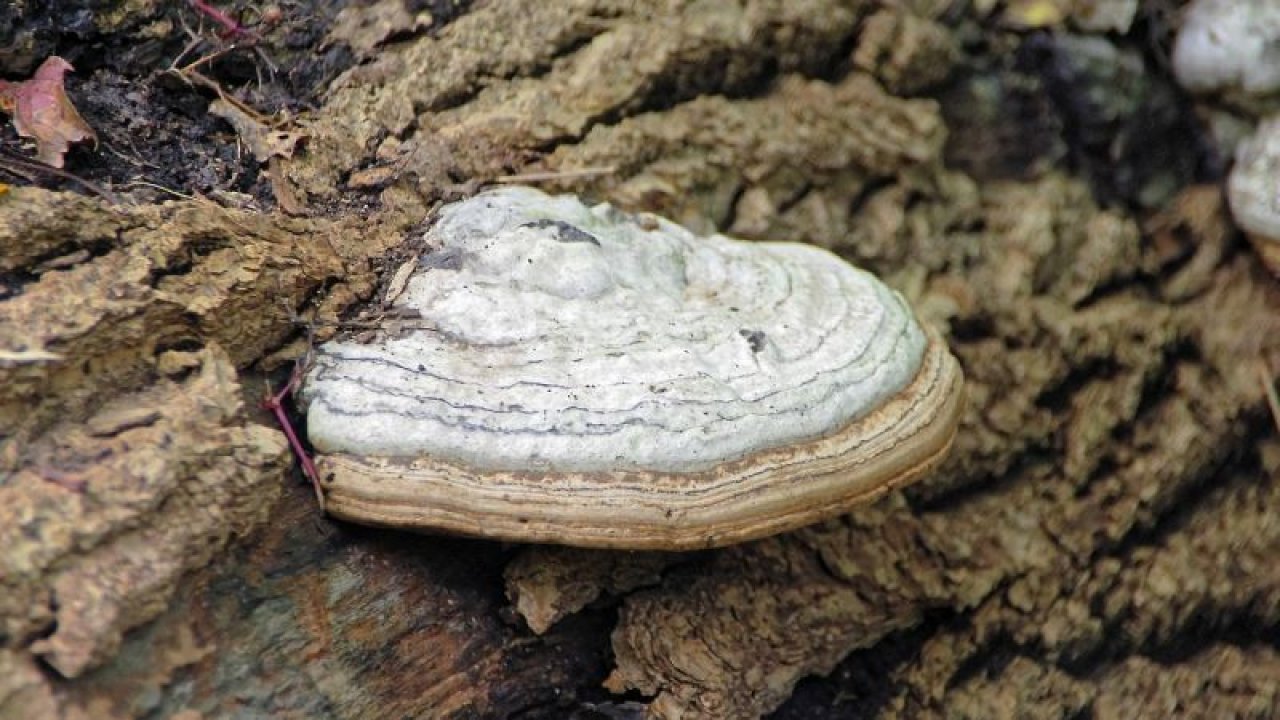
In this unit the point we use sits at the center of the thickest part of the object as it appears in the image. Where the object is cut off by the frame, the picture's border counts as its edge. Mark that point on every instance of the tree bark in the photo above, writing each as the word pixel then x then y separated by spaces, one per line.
pixel 1099 541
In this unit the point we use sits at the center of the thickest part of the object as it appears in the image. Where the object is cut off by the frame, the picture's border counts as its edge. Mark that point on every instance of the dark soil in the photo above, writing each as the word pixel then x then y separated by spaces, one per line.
pixel 154 129
pixel 1107 109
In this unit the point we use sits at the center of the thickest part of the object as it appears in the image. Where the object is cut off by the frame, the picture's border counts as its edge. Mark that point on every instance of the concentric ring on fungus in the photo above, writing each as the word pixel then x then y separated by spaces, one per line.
pixel 595 378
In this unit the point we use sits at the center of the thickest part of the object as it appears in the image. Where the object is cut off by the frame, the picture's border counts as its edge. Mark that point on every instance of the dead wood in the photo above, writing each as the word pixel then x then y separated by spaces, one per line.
pixel 1099 542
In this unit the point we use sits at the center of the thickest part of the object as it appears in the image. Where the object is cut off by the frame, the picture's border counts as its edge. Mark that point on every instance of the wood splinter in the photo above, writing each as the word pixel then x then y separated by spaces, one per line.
pixel 603 379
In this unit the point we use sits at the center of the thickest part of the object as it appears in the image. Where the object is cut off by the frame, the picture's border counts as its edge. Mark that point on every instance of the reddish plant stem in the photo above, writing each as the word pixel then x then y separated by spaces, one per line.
pixel 231 25
pixel 275 403
pixel 1269 391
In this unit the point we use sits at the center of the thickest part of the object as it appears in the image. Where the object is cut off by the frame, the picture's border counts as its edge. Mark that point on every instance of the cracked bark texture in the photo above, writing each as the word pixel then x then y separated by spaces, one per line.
pixel 1099 542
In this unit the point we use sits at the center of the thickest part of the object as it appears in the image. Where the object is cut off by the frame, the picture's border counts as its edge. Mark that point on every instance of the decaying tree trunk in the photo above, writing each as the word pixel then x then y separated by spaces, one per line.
pixel 1101 540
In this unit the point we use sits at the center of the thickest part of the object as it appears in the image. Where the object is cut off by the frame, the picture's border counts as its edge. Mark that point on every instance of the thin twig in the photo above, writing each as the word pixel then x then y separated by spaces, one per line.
pixel 202 60
pixel 1269 389
pixel 549 175
pixel 134 160
pixel 161 188
pixel 388 323
pixel 14 164
pixel 190 46
pixel 192 77
pixel 266 59
pixel 18 172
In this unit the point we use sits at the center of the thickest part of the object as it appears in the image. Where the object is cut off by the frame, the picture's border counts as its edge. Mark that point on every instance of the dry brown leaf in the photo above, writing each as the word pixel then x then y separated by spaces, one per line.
pixel 262 141
pixel 268 147
pixel 41 110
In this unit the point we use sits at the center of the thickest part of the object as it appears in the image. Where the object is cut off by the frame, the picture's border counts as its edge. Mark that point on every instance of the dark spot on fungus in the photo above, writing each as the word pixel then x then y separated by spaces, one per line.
pixel 755 339
pixel 564 232
pixel 446 259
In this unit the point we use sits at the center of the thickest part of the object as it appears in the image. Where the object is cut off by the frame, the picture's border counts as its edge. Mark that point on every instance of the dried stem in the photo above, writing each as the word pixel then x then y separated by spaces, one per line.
pixel 275 403
pixel 1269 389
pixel 16 165
pixel 549 175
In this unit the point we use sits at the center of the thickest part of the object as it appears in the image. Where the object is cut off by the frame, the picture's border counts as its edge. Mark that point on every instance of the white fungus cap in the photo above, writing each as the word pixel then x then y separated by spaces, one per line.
pixel 1253 189
pixel 568 337
pixel 1226 44
pixel 589 377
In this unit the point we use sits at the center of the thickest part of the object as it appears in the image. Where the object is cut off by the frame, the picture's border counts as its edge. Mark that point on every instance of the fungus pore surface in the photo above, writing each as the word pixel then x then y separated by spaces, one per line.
pixel 586 376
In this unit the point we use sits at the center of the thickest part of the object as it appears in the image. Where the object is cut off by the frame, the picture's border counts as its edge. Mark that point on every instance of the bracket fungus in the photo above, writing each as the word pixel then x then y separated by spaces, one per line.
pixel 1229 44
pixel 1252 191
pixel 584 376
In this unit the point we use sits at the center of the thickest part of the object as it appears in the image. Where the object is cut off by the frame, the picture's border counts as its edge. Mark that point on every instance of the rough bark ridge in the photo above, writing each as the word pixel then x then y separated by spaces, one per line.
pixel 1098 542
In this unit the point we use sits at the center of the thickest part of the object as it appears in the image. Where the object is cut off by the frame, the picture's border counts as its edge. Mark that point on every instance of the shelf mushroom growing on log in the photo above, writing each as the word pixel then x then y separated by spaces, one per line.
pixel 1253 191
pixel 584 376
